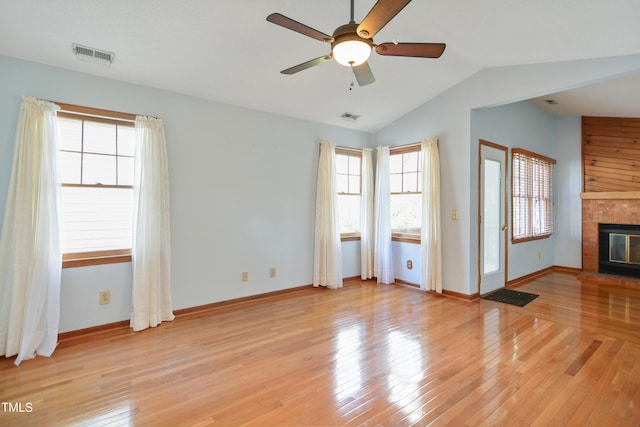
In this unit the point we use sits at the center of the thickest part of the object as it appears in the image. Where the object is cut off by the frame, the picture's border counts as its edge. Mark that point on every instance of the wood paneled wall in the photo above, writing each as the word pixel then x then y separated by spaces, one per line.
pixel 611 154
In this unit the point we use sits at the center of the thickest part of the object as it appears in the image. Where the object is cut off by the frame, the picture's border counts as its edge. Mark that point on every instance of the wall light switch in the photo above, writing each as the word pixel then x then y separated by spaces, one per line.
pixel 454 214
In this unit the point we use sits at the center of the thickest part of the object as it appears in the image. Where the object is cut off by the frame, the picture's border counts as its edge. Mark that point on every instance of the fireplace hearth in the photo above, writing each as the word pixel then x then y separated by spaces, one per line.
pixel 619 249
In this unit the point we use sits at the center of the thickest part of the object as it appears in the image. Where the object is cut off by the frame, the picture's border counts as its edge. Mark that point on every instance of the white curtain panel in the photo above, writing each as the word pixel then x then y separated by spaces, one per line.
pixel 382 248
pixel 366 216
pixel 30 257
pixel 151 295
pixel 431 238
pixel 327 254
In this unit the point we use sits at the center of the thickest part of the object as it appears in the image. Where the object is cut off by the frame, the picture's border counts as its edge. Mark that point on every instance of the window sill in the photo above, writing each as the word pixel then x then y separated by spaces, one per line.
pixel 406 237
pixel 528 239
pixel 349 237
pixel 86 259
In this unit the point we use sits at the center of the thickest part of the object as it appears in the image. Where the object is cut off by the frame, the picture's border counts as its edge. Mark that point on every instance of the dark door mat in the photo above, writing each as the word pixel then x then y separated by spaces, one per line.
pixel 512 297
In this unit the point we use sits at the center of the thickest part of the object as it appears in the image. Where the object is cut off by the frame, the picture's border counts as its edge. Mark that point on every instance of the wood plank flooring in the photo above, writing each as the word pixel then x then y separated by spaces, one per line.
pixel 364 355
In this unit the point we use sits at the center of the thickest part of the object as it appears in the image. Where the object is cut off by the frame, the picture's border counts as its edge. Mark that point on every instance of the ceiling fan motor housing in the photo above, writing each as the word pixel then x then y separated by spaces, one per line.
pixel 348 32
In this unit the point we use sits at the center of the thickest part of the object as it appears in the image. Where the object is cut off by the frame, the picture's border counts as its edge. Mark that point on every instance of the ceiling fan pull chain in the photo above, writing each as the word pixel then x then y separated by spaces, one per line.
pixel 352 82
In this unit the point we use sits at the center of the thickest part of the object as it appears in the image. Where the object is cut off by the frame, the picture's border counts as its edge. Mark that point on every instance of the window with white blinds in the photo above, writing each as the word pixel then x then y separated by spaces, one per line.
pixel 96 156
pixel 349 183
pixel 405 167
pixel 532 196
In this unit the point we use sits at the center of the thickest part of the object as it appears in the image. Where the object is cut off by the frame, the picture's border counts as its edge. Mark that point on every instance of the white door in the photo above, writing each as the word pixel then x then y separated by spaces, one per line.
pixel 492 220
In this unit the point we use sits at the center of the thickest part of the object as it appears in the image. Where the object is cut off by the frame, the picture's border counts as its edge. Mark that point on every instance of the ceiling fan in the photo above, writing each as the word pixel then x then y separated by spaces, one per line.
pixel 352 43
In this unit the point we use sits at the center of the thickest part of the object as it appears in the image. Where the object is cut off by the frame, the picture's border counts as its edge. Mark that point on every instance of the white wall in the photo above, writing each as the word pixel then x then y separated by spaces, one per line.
pixel 448 117
pixel 242 191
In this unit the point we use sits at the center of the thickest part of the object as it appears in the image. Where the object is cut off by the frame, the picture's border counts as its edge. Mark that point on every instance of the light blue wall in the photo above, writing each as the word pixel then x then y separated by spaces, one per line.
pixel 242 191
pixel 524 125
pixel 568 205
pixel 448 116
pixel 403 252
pixel 243 181
pixel 521 125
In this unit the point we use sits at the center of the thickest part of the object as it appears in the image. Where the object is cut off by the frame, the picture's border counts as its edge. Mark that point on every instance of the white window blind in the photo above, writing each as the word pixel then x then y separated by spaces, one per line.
pixel 96 167
pixel 405 166
pixel 532 191
pixel 349 183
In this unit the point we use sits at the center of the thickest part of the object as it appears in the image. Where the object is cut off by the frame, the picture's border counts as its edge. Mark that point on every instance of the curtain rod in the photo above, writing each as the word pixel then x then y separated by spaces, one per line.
pixel 413 144
pixel 95 112
pixel 98 112
pixel 96 116
pixel 359 150
pixel 338 147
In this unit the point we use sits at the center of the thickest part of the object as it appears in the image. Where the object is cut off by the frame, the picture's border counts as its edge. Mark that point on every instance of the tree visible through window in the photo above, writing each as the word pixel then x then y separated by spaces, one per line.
pixel 532 190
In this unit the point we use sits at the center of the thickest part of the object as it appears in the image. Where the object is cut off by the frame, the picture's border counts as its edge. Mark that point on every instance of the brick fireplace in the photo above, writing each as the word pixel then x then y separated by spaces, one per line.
pixel 611 196
pixel 603 211
pixel 611 193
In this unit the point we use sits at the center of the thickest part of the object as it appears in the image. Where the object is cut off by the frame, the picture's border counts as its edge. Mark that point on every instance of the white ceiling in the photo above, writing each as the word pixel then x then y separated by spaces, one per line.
pixel 226 50
pixel 612 98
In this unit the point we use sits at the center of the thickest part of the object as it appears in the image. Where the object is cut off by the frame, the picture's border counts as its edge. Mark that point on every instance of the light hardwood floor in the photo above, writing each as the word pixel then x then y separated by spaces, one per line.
pixel 365 355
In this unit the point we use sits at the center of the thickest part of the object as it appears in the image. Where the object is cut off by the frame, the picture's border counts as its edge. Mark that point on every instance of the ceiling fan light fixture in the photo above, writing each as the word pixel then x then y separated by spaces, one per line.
pixel 352 43
pixel 348 48
pixel 351 53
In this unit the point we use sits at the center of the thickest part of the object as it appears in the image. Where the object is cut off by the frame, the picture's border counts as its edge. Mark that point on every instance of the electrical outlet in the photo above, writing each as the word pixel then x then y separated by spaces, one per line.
pixel 245 276
pixel 105 297
pixel 409 264
pixel 454 214
pixel 272 272
pixel 539 256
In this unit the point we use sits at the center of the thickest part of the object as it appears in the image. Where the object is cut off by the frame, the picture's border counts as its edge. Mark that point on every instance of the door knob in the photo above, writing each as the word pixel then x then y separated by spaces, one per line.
pixel 504 228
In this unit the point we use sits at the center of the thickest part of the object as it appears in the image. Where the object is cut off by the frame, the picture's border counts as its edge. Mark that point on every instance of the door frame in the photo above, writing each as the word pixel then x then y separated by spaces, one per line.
pixel 481 143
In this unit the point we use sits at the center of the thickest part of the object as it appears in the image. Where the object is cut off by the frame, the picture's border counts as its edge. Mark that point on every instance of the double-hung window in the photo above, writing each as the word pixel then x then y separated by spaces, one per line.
pixel 96 158
pixel 349 183
pixel 532 190
pixel 405 168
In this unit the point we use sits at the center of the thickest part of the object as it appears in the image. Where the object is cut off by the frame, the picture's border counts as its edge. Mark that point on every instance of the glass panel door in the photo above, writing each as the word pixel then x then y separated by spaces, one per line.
pixel 491 216
pixel 492 228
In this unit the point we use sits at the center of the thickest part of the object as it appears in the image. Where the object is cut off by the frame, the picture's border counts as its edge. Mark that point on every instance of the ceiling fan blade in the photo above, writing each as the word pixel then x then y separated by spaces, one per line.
pixel 296 26
pixel 306 65
pixel 380 14
pixel 420 50
pixel 363 74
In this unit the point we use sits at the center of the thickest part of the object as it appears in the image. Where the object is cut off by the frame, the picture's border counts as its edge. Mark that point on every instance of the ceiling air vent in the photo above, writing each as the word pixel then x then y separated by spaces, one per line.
pixel 350 117
pixel 95 56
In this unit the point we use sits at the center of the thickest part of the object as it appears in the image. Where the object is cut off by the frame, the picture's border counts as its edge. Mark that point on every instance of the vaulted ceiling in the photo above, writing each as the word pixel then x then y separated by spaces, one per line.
pixel 226 51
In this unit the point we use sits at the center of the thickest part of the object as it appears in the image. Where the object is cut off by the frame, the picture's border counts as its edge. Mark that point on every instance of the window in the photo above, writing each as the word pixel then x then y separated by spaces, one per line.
pixel 96 157
pixel 405 167
pixel 349 183
pixel 532 202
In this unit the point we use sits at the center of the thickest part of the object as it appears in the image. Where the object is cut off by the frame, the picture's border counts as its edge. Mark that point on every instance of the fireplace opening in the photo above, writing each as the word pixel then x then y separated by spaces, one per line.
pixel 619 249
